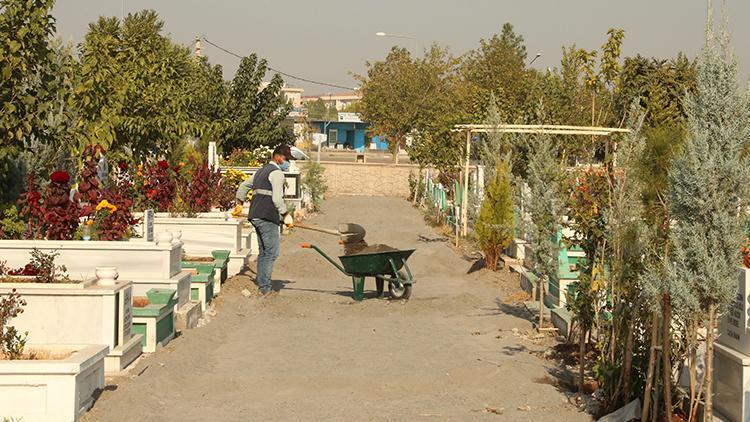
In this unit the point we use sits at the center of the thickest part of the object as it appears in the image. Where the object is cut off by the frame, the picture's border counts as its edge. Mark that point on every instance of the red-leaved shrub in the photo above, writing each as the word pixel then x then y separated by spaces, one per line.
pixel 88 184
pixel 60 213
pixel 32 210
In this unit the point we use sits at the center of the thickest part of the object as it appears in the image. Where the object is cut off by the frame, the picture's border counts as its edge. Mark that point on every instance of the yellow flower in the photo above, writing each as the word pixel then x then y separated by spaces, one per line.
pixel 179 199
pixel 105 204
pixel 181 164
pixel 89 222
pixel 140 173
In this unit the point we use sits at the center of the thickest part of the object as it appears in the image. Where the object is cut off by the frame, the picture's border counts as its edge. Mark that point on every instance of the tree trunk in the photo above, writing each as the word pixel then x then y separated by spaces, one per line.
pixel 666 349
pixel 651 363
pixel 693 344
pixel 708 375
pixel 540 292
pixel 628 364
pixel 655 407
pixel 581 358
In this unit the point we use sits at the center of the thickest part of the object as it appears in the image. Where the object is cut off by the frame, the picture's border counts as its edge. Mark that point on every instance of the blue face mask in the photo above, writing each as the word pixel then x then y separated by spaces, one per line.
pixel 284 166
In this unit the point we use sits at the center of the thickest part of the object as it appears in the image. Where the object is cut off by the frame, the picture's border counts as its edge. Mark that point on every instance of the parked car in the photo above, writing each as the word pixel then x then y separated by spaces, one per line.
pixel 298 154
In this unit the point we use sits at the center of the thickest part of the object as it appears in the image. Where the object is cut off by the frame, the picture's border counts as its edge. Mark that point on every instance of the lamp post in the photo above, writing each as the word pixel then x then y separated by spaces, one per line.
pixel 408 37
pixel 325 128
pixel 538 55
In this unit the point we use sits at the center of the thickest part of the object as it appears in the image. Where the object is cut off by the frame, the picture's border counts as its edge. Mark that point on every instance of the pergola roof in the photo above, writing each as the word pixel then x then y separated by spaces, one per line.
pixel 547 129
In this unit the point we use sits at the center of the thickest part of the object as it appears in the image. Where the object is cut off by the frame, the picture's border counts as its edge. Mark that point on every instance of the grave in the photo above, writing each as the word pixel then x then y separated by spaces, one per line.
pixel 732 356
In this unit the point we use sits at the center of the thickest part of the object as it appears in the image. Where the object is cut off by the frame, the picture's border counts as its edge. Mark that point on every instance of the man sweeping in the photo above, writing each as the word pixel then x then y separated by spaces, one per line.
pixel 267 211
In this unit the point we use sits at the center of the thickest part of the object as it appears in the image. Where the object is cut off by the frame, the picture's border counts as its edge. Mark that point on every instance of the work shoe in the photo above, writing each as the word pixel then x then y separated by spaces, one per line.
pixel 269 294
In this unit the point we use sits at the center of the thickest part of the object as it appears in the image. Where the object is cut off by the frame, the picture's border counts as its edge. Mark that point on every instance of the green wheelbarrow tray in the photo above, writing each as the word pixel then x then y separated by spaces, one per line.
pixel 386 266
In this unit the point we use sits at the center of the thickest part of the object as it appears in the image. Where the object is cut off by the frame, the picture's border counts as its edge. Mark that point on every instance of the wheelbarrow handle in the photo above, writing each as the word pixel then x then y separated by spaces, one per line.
pixel 325 255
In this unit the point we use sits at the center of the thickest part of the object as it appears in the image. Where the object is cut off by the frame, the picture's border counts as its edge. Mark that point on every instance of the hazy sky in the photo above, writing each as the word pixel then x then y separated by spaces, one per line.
pixel 325 40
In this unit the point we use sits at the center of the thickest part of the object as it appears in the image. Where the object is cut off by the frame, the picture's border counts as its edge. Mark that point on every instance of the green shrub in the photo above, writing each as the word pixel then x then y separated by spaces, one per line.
pixel 12 342
pixel 494 227
pixel 11 225
pixel 314 182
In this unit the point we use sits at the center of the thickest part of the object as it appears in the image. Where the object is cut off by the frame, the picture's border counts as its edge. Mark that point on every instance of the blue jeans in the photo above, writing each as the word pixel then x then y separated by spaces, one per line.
pixel 268 239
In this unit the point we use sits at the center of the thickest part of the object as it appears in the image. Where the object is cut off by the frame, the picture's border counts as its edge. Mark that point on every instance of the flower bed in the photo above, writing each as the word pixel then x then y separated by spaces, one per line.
pixel 155 321
pixel 147 264
pixel 203 282
pixel 87 312
pixel 219 259
pixel 202 236
pixel 47 390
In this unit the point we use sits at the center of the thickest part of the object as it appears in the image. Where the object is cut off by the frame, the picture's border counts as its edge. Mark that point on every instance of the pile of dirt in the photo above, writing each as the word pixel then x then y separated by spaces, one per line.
pixel 373 249
pixel 41 354
pixel 187 258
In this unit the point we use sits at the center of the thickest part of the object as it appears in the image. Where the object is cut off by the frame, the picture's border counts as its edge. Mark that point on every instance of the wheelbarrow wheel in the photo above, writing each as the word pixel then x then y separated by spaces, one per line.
pixel 398 290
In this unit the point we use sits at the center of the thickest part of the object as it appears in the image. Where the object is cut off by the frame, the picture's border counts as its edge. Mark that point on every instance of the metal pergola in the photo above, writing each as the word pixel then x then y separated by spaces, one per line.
pixel 531 129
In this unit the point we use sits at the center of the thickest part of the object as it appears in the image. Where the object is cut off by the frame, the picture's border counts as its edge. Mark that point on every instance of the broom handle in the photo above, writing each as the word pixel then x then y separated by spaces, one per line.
pixel 306 227
pixel 317 229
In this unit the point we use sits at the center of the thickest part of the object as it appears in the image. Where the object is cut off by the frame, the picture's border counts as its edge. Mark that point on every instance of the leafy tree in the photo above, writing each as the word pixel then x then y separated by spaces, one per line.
pixel 627 235
pixel 314 180
pixel 407 98
pixel 133 86
pixel 659 85
pixel 496 68
pixel 440 108
pixel 154 114
pixel 35 76
pixel 255 112
pixel 352 107
pixel 102 82
pixel 494 227
pixel 707 233
pixel 207 100
pixel 319 110
pixel 25 70
pixel 390 97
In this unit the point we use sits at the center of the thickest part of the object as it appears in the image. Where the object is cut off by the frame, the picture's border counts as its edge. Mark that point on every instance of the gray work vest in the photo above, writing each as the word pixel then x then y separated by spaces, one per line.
pixel 262 205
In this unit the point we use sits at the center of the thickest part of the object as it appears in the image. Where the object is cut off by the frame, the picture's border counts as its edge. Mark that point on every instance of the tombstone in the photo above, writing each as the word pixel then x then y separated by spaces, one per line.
pixel 733 326
pixel 102 170
pixel 732 356
pixel 148 225
pixel 213 156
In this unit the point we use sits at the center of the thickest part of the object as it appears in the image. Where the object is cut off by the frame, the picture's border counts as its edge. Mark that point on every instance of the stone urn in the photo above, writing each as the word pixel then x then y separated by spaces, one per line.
pixel 164 238
pixel 107 276
pixel 176 235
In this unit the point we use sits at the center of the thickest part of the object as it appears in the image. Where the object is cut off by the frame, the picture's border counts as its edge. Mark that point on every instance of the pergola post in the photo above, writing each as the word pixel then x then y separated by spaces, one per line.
pixel 465 199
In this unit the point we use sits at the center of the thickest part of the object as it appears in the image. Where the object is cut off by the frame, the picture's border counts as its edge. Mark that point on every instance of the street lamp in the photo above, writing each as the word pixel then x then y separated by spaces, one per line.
pixel 538 55
pixel 325 127
pixel 408 37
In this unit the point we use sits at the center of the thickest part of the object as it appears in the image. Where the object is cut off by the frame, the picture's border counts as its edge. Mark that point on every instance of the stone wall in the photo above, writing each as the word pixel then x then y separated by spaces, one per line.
pixel 351 179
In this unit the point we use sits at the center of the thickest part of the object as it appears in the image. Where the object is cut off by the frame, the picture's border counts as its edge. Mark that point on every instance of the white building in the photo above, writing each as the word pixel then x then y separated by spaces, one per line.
pixel 294 95
pixel 338 100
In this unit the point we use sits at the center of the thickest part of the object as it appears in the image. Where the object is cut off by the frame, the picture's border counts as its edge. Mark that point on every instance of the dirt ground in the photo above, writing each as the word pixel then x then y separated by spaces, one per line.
pixel 460 349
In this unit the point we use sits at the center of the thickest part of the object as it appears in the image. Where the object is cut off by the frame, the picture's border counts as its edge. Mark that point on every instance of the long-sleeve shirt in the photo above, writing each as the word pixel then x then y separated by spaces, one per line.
pixel 277 183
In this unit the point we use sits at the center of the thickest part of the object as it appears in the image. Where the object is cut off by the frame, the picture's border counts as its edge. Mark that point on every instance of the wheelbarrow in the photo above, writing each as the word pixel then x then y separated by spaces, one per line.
pixel 385 266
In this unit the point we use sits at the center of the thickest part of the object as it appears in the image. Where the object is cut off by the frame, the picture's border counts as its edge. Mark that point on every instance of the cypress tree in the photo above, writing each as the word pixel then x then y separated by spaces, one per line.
pixel 494 228
pixel 707 190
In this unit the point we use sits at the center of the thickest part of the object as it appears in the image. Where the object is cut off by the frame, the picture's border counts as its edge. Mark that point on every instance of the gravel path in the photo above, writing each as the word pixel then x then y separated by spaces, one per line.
pixel 450 353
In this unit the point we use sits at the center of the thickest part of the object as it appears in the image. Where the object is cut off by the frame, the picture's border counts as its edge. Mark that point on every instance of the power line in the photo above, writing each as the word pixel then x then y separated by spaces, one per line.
pixel 231 53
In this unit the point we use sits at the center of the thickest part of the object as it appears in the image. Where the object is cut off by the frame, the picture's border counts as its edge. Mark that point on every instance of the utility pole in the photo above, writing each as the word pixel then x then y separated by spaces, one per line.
pixel 198 47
